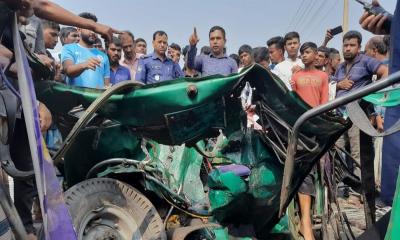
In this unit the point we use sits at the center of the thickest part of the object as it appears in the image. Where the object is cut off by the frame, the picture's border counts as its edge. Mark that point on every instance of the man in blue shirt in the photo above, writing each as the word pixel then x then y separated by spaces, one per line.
pixel 157 67
pixel 355 72
pixel 118 73
pixel 217 62
pixel 84 65
pixel 357 69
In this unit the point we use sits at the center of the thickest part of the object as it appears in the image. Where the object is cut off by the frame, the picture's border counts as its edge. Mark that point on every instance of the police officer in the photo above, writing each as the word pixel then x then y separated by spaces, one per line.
pixel 157 67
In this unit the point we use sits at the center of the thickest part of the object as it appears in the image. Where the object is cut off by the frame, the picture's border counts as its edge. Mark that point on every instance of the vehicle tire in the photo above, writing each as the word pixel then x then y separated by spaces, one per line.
pixel 105 208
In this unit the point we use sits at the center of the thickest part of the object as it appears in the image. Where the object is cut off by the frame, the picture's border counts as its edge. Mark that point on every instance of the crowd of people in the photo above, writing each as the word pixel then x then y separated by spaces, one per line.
pixel 84 61
pixel 316 72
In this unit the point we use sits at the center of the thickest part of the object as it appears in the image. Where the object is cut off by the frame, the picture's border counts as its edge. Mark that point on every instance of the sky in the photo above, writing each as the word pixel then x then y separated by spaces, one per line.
pixel 250 22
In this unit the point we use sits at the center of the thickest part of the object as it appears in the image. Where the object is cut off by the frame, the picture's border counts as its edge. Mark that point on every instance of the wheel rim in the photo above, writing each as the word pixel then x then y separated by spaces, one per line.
pixel 108 222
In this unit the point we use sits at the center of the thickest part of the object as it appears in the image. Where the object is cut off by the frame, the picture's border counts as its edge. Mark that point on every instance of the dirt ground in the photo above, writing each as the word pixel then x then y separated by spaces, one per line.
pixel 354 210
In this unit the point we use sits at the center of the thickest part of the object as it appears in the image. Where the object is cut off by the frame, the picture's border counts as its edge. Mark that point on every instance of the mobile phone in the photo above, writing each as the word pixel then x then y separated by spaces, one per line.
pixel 376 10
pixel 372 8
pixel 336 30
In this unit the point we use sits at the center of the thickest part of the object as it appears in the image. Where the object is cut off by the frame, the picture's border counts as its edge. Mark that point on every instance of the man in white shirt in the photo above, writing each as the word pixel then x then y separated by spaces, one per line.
pixel 292 63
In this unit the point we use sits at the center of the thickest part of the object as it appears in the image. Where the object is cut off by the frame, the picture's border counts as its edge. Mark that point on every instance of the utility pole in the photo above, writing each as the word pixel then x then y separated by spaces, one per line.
pixel 345 24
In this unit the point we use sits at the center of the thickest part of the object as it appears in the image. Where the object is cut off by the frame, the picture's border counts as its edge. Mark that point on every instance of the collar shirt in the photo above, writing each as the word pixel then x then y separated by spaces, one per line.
pixel 151 69
pixel 360 72
pixel 209 64
pixel 284 70
pixel 121 74
pixel 132 65
pixel 88 78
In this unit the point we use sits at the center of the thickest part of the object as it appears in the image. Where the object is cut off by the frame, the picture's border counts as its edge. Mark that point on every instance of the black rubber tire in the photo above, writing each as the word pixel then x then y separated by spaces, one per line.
pixel 90 195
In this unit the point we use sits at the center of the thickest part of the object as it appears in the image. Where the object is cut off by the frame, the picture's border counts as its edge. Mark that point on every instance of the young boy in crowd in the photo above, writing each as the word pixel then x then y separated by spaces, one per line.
pixel 246 56
pixel 285 69
pixel 312 86
pixel 310 83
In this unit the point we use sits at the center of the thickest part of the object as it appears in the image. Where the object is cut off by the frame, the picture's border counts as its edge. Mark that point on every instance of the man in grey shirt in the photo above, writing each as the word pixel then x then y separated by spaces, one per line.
pixel 217 62
pixel 34 35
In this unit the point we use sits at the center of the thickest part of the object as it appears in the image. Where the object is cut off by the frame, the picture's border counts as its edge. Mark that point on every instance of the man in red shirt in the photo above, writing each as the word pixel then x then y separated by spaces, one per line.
pixel 311 85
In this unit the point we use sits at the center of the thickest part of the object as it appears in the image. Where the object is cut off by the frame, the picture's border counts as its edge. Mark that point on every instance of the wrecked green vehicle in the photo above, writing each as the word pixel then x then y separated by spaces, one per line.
pixel 180 159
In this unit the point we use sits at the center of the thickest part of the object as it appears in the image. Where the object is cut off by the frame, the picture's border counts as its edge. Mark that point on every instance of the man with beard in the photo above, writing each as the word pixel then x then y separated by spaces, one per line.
pixel 355 72
pixel 157 67
pixel 84 65
pixel 357 69
pixel 118 73
pixel 217 62
pixel 292 63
